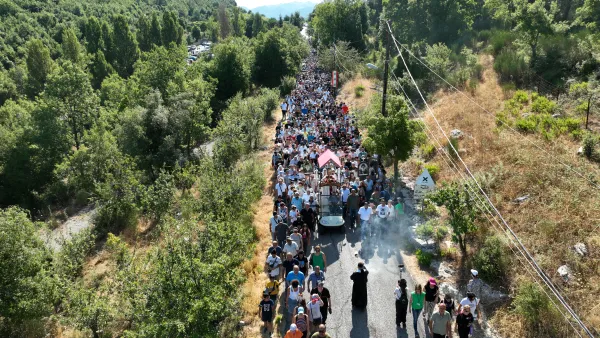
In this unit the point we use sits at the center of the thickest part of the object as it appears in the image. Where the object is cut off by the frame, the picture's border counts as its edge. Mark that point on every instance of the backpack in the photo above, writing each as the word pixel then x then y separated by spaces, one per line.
pixel 404 299
pixel 302 322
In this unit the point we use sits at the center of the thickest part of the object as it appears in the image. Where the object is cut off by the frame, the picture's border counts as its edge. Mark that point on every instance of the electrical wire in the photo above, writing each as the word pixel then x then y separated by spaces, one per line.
pixel 528 256
pixel 454 167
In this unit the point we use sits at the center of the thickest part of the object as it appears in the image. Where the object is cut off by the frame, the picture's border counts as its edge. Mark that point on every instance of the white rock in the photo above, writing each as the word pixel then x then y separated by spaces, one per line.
pixel 580 151
pixel 580 249
pixel 564 272
pixel 449 289
pixel 556 116
pixel 456 133
pixel 522 199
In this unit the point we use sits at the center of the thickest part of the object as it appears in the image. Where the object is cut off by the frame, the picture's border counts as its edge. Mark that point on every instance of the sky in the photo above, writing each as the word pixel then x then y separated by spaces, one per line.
pixel 256 3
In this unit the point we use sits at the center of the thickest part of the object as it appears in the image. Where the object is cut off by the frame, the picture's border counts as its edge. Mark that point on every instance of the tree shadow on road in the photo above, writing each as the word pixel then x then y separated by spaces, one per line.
pixel 360 324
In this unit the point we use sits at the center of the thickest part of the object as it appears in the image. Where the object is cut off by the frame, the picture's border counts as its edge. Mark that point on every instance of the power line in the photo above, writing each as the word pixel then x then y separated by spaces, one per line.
pixel 454 167
pixel 490 113
pixel 538 269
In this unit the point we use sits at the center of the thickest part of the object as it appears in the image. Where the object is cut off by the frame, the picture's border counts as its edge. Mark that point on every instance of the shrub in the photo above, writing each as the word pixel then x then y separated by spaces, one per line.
pixel 542 105
pixel 359 90
pixel 429 209
pixel 269 101
pixel 527 124
pixel 499 40
pixel 428 150
pixel 424 258
pixel 425 231
pixel 511 66
pixel 288 83
pixel 440 233
pixel 492 259
pixel 589 144
pixel 433 169
pixel 531 303
pixel 521 97
pixel 72 255
pixel 449 253
pixel 450 146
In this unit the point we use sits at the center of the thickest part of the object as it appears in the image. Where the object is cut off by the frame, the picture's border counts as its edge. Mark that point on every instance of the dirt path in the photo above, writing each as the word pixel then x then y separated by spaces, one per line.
pixel 256 280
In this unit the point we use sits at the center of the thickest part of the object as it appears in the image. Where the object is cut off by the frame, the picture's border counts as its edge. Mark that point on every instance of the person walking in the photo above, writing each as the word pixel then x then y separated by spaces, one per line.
pixel 267 307
pixel 290 246
pixel 325 296
pixel 293 292
pixel 293 332
pixel 272 264
pixel 431 297
pixel 275 246
pixel 297 275
pixel 272 287
pixel 353 205
pixel 305 232
pixel 297 238
pixel 401 303
pixel 301 321
pixel 475 284
pixel 464 322
pixel 314 312
pixel 473 303
pixel 359 288
pixel 440 323
pixel 450 306
pixel 281 232
pixel 273 221
pixel 417 298
pixel 319 259
pixel 302 262
pixel 322 333
pixel 315 277
pixel 365 213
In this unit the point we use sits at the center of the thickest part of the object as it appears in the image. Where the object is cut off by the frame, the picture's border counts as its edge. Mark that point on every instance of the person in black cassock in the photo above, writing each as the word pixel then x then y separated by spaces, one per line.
pixel 359 288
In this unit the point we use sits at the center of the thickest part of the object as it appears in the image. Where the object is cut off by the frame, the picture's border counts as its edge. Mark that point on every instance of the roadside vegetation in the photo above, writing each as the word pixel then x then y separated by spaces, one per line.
pixel 101 107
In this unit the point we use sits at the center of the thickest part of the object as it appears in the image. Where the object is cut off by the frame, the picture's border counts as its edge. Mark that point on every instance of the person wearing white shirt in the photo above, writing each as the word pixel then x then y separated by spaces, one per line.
pixel 275 219
pixel 365 213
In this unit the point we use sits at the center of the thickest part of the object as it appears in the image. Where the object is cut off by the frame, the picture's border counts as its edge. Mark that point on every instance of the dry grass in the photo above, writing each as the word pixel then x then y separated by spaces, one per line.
pixel 563 208
pixel 347 93
pixel 256 279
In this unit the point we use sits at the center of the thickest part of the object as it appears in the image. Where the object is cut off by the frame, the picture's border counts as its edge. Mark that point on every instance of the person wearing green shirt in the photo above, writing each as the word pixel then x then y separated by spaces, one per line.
pixel 417 298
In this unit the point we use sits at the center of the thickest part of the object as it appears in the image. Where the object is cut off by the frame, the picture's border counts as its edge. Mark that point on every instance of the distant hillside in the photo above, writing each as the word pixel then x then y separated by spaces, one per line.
pixel 273 11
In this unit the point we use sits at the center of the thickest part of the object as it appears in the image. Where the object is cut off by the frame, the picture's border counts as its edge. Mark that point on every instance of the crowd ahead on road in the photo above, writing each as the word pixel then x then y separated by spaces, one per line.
pixel 313 122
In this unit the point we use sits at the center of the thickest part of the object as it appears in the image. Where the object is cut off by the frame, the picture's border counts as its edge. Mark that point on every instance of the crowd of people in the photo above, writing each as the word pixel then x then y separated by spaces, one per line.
pixel 313 123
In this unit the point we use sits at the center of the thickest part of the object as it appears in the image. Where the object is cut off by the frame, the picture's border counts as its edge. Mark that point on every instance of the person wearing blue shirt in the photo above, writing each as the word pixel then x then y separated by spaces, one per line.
pixel 296 274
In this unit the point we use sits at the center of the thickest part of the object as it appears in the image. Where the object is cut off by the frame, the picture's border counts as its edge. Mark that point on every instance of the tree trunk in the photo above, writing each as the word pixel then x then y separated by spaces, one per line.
pixel 587 116
pixel 462 244
pixel 395 172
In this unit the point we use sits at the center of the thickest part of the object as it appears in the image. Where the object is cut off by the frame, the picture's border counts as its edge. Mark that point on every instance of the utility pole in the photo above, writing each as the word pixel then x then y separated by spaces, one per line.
pixel 385 72
pixel 336 69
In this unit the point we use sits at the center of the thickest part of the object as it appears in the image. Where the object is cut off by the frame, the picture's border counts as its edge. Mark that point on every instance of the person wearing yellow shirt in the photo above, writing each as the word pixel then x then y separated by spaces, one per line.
pixel 272 288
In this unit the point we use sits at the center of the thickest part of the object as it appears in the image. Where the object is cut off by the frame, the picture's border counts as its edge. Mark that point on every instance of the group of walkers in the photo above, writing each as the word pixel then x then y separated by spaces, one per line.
pixel 312 123
pixel 439 323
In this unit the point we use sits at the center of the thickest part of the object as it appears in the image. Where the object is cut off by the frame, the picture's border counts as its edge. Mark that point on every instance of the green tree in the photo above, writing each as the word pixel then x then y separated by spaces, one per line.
pixel 100 69
pixel 196 33
pixel 278 53
pixel 236 24
pixel 25 280
pixel 330 61
pixel 586 95
pixel 94 38
pixel 393 136
pixel 171 30
pixel 126 51
pixel 171 70
pixel 8 88
pixel 70 94
pixel 144 38
pixel 339 20
pixel 462 209
pixel 231 65
pixel 89 307
pixel 39 65
pixel 257 24
pixel 155 30
pixel 71 49
pixel 224 24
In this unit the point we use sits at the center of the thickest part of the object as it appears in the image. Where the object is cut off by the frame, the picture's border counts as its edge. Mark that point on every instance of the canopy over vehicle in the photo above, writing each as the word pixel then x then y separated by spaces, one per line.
pixel 330 200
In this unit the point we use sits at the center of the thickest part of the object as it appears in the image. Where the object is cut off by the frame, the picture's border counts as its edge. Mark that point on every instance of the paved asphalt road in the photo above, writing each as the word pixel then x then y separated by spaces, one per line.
pixel 381 259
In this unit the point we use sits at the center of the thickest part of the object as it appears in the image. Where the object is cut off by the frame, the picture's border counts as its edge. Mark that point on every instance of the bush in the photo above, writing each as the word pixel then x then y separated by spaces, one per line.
pixel 589 145
pixel 425 231
pixel 492 259
pixel 500 39
pixel 521 97
pixel 527 124
pixel 450 146
pixel 531 303
pixel 288 83
pixel 359 90
pixel 72 255
pixel 269 101
pixel 433 169
pixel 542 105
pixel 511 66
pixel 428 150
pixel 424 258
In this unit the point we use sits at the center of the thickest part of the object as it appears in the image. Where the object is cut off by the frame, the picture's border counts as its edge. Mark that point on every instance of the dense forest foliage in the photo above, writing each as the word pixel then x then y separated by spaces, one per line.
pixel 100 106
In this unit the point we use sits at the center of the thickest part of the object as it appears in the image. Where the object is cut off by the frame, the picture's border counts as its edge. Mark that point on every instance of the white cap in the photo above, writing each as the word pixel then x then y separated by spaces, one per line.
pixel 293 327
pixel 474 272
